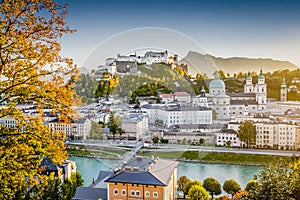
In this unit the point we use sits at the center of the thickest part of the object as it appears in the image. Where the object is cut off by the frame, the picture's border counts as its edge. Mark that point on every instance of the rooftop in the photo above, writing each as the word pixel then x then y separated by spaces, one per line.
pixel 243 102
pixel 174 107
pixel 76 121
pixel 166 95
pixel 89 193
pixel 50 166
pixel 241 94
pixel 183 94
pixel 135 177
pixel 229 131
pixel 163 169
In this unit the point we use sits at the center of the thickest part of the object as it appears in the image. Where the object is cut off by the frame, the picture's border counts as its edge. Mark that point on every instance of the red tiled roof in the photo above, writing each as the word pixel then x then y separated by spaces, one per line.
pixel 181 94
pixel 166 95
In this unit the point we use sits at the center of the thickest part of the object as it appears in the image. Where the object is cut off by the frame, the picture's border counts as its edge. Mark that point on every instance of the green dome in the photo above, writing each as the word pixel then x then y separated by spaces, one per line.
pixel 217 83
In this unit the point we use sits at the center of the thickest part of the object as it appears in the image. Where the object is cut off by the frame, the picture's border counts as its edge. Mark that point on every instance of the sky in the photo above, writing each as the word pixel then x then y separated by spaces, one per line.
pixel 223 28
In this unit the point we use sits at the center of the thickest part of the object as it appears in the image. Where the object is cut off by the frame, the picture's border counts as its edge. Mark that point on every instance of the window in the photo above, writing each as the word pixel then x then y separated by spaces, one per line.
pixel 132 192
pixel 123 192
pixel 147 194
pixel 116 191
pixel 155 194
pixel 137 193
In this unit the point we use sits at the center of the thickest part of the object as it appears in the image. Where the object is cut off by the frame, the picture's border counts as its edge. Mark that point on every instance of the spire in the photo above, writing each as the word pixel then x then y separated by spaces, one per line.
pixel 249 78
pixel 283 83
pixel 261 75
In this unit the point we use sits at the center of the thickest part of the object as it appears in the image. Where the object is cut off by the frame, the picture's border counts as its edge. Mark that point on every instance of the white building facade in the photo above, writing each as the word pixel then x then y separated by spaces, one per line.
pixel 79 129
pixel 174 114
pixel 273 135
pixel 135 125
pixel 228 137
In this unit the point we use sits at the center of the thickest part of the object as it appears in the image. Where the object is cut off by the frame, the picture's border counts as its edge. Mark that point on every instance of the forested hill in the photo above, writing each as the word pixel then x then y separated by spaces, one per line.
pixel 198 62
pixel 159 78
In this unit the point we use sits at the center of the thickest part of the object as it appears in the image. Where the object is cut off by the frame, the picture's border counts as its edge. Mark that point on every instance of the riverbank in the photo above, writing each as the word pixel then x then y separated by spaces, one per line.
pixel 186 156
pixel 218 157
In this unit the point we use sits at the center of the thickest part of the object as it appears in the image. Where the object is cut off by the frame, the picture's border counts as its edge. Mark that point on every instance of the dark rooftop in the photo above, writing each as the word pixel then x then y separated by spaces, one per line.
pixel 89 193
pixel 79 121
pixel 50 166
pixel 243 102
pixel 135 177
pixel 104 174
pixel 174 107
pixel 230 131
pixel 241 94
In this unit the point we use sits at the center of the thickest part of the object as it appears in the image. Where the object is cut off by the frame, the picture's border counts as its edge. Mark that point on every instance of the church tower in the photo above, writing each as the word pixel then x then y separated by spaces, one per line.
pixel 248 88
pixel 283 91
pixel 261 92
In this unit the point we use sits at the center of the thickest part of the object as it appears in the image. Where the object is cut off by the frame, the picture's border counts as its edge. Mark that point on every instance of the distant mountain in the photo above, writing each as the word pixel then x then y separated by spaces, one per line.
pixel 198 62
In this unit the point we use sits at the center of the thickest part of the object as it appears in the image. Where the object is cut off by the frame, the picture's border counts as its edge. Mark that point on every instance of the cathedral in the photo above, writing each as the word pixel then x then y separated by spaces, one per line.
pixel 228 105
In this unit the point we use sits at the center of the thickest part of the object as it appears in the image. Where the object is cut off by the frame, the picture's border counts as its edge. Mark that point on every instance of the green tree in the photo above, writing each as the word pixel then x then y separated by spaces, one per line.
pixel 155 140
pixel 182 181
pixel 85 87
pixel 121 132
pixel 221 74
pixel 32 71
pixel 53 190
pixel 112 125
pixel 96 131
pixel 70 185
pixel 202 141
pixel 240 75
pixel 279 181
pixel 251 185
pixel 197 192
pixel 247 132
pixel 228 143
pixel 213 186
pixel 231 187
pixel 189 184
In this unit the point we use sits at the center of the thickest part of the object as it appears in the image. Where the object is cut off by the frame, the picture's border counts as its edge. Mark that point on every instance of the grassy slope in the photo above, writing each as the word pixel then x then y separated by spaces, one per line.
pixel 213 157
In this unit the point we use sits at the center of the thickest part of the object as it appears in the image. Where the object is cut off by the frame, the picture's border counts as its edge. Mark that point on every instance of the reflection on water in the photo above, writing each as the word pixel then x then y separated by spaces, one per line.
pixel 89 169
pixel 222 172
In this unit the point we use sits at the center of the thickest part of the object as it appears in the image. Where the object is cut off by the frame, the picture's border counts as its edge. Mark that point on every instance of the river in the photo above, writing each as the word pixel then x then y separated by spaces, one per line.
pixel 89 169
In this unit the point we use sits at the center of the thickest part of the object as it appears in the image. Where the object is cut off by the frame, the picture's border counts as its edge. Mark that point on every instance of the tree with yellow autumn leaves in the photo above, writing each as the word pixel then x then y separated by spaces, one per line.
pixel 32 71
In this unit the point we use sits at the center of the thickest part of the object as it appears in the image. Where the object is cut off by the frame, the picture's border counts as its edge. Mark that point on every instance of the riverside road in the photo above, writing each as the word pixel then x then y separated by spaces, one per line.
pixel 129 145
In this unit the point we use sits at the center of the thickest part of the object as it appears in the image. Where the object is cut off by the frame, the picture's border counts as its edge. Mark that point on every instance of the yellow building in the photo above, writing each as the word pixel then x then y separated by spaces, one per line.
pixel 144 178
